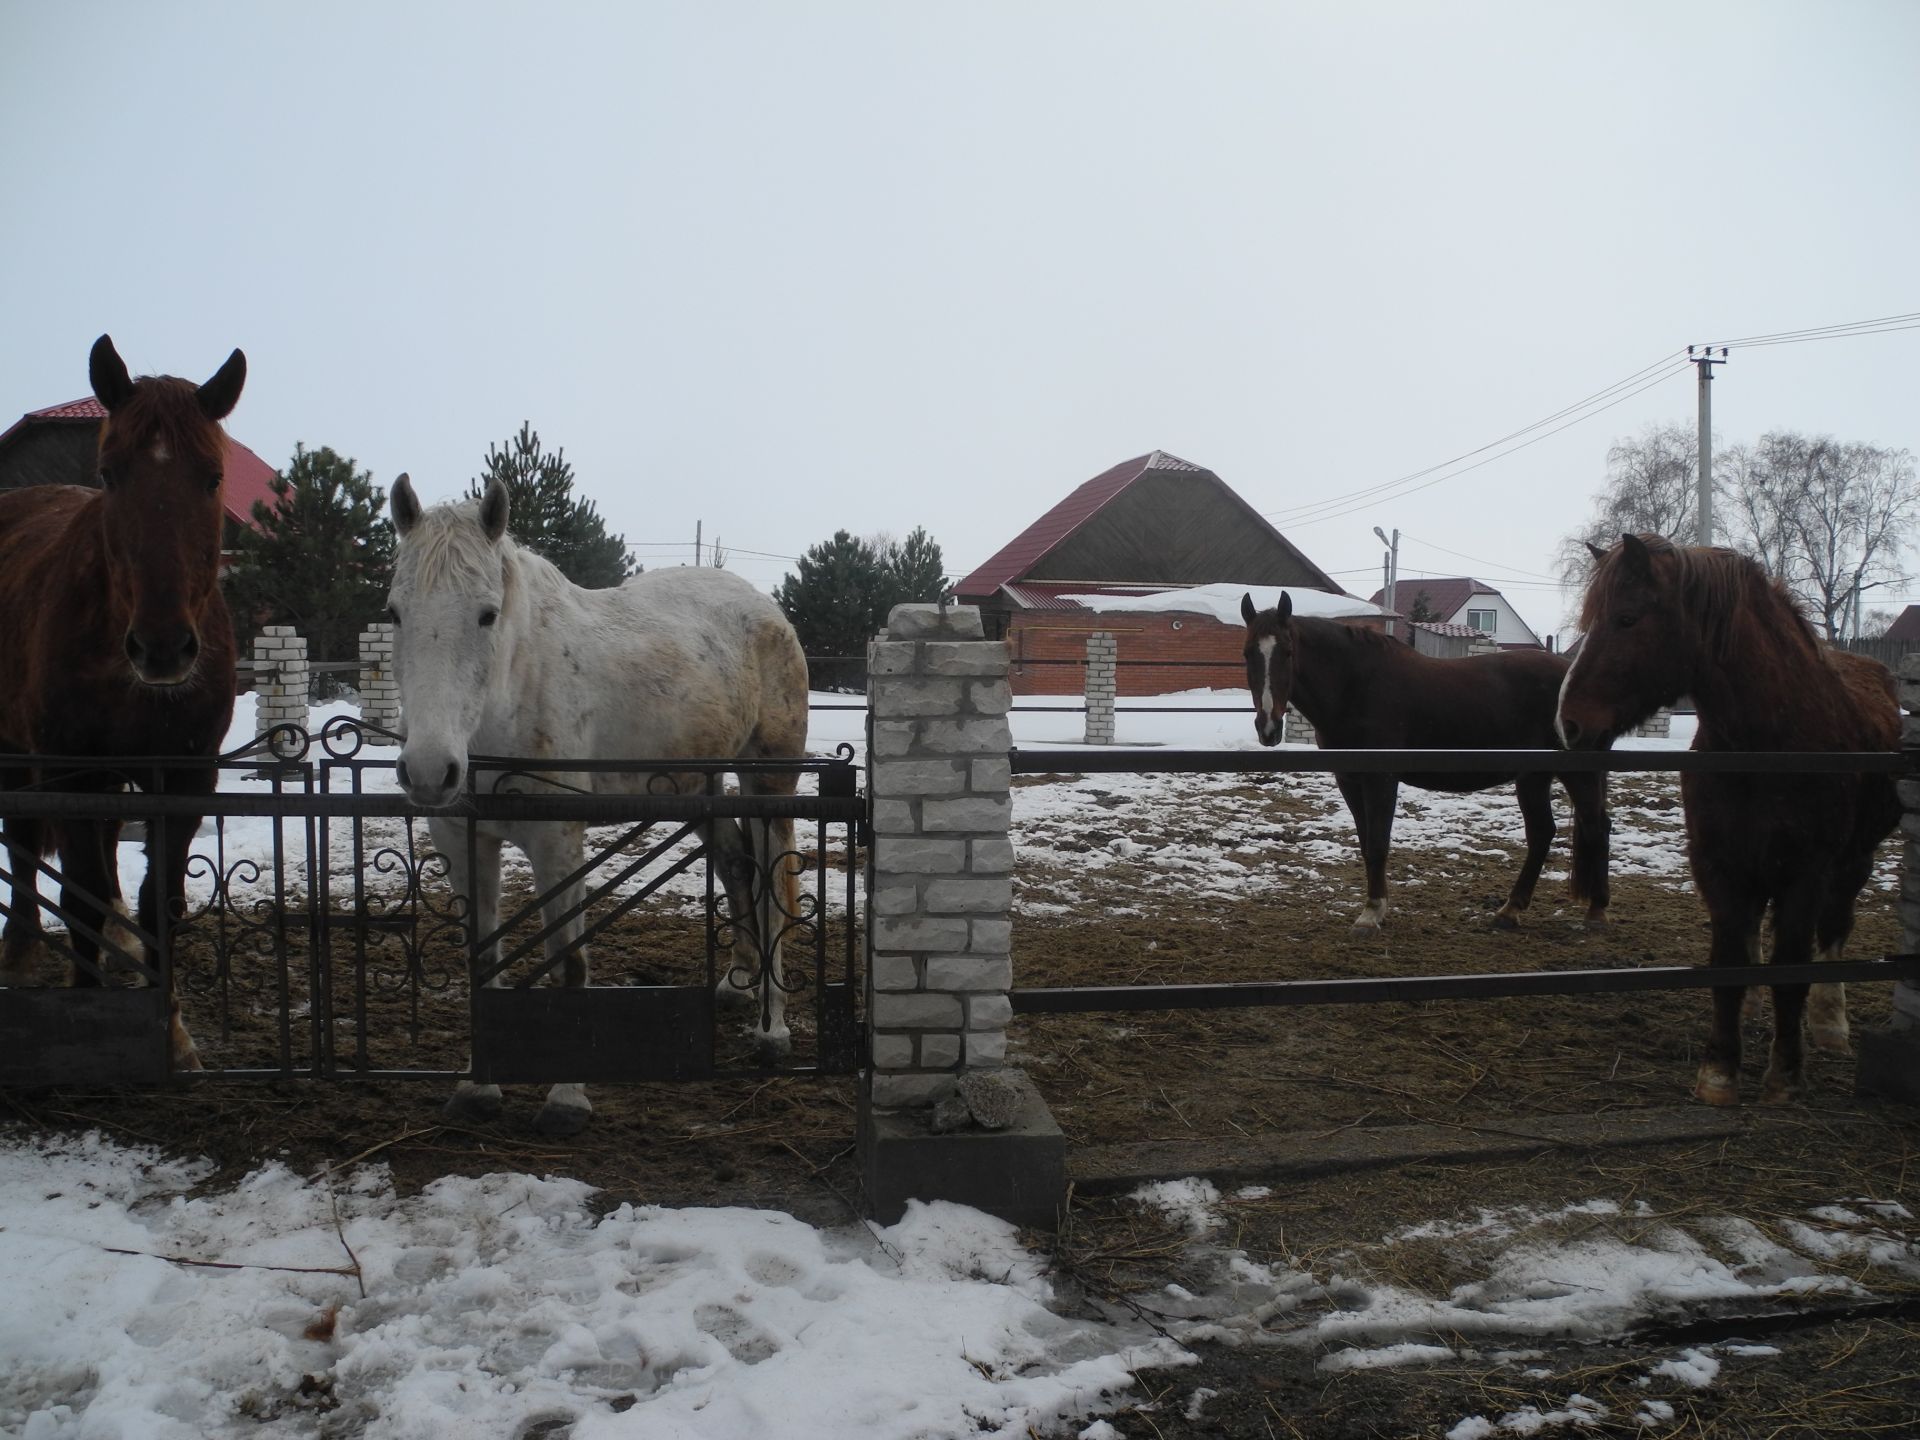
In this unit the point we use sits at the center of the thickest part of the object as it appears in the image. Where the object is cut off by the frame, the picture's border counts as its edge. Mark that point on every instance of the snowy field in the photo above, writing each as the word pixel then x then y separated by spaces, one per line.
pixel 143 1303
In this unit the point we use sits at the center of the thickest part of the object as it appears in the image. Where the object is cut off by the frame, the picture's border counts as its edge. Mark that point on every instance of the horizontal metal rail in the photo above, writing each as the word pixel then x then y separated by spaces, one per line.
pixel 1107 760
pixel 296 804
pixel 1401 989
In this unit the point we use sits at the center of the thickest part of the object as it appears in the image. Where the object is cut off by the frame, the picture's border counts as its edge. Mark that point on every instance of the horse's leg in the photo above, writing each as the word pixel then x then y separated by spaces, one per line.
pixel 1535 794
pixel 1827 1004
pixel 1795 914
pixel 20 946
pixel 1588 875
pixel 481 891
pixel 165 883
pixel 746 854
pixel 1371 799
pixel 1734 920
pixel 556 851
pixel 83 888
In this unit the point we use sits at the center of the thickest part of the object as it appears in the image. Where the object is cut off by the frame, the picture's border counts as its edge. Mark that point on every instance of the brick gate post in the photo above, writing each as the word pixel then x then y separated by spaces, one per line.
pixel 1889 1058
pixel 1103 676
pixel 379 690
pixel 940 1119
pixel 281 679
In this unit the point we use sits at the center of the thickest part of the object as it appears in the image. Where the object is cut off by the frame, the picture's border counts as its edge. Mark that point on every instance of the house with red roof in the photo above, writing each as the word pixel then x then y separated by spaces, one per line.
pixel 60 444
pixel 1155 523
pixel 1461 604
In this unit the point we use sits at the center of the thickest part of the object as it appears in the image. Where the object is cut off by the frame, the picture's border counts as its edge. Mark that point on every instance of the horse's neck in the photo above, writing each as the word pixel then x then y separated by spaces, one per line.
pixel 539 602
pixel 1763 693
pixel 1323 663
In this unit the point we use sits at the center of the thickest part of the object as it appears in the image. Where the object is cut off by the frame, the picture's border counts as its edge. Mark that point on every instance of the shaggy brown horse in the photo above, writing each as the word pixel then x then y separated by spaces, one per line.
pixel 115 641
pixel 1662 621
pixel 1364 691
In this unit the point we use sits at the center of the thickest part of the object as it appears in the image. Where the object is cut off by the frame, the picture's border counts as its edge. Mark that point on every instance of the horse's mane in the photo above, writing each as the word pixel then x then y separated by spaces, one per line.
pixel 1719 590
pixel 166 409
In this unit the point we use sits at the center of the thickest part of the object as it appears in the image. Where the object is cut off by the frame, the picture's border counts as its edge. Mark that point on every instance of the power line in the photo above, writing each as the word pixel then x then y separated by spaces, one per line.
pixel 1909 321
pixel 1490 564
pixel 1363 503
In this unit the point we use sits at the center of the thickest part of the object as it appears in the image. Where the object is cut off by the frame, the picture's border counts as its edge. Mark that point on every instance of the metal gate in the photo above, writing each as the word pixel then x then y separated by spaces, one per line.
pixel 322 937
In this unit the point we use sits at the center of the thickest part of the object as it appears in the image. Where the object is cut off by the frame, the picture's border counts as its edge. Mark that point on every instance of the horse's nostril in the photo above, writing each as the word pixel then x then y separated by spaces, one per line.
pixel 452 776
pixel 135 650
pixel 400 772
pixel 190 647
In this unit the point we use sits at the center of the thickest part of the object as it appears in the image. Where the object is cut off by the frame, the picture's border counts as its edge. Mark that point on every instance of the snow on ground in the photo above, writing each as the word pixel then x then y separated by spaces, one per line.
pixel 483 1307
pixel 494 1304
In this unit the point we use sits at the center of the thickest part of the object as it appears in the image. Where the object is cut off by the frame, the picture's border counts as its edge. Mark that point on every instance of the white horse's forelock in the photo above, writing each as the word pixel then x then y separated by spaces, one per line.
pixel 446 544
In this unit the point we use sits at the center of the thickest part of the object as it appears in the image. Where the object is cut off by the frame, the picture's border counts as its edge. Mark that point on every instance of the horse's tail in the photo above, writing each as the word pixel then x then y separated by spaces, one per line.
pixel 1587 876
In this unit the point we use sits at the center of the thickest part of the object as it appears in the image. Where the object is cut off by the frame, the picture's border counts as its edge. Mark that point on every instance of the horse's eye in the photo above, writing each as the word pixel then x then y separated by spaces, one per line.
pixel 393 614
pixel 106 478
pixel 487 617
pixel 1625 622
pixel 213 484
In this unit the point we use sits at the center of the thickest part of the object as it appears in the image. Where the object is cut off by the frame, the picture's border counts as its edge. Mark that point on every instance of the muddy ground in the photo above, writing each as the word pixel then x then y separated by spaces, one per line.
pixel 1234 1092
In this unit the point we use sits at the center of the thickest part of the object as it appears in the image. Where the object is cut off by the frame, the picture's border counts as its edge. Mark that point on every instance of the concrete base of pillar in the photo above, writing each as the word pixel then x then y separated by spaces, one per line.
pixel 1018 1173
pixel 1887 1063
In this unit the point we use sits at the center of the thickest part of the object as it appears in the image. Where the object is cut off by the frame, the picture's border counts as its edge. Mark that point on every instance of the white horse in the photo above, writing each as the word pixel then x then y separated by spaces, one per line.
pixel 498 653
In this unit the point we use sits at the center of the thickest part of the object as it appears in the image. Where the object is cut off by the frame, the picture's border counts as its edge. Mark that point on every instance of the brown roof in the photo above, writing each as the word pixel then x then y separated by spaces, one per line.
pixel 1447 595
pixel 249 478
pixel 1019 556
pixel 1907 626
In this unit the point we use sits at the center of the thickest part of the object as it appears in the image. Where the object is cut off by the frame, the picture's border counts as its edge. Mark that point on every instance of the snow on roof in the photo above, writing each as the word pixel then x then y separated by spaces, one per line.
pixel 1222 601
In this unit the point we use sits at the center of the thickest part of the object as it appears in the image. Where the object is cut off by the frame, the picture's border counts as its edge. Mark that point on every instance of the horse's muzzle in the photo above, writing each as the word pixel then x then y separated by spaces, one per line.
pixel 164 655
pixel 430 794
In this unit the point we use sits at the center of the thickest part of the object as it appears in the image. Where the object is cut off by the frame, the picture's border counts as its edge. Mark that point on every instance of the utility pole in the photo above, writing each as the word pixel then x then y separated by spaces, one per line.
pixel 1392 568
pixel 696 543
pixel 1706 362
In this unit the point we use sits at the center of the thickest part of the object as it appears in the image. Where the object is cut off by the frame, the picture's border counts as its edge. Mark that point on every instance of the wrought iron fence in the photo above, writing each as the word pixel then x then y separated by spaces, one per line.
pixel 321 936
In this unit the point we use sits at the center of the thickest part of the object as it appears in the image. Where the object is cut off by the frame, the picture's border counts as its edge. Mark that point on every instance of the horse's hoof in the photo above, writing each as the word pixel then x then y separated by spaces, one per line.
pixel 1505 920
pixel 20 965
pixel 1716 1087
pixel 557 1122
pixel 729 996
pixel 1597 920
pixel 1831 1040
pixel 472 1109
pixel 1779 1089
pixel 772 1046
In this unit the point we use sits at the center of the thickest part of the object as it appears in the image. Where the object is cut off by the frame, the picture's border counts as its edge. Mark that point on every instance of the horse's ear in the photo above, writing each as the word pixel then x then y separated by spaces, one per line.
pixel 1634 553
pixel 403 504
pixel 493 510
pixel 1595 551
pixel 1247 613
pixel 1285 608
pixel 220 394
pixel 111 383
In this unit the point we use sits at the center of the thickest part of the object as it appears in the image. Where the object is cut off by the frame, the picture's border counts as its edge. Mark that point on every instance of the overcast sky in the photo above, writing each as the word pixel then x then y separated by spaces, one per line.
pixel 787 268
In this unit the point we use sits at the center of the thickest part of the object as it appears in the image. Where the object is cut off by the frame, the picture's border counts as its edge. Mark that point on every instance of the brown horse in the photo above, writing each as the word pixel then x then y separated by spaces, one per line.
pixel 1662 621
pixel 114 642
pixel 1364 691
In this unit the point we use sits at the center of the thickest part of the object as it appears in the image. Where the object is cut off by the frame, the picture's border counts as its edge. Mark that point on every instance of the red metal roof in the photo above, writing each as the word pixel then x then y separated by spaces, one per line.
pixel 1031 545
pixel 249 478
pixel 1447 595
pixel 1907 627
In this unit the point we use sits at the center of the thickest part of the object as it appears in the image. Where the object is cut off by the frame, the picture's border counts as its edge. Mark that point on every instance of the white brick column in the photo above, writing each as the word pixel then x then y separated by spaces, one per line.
pixel 281 679
pixel 1888 1060
pixel 379 689
pixel 941 877
pixel 1295 728
pixel 1103 668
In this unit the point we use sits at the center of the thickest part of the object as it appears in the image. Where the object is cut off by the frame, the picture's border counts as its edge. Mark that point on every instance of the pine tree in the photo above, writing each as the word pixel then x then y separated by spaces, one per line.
pixel 840 595
pixel 547 518
pixel 1422 609
pixel 830 600
pixel 914 571
pixel 320 559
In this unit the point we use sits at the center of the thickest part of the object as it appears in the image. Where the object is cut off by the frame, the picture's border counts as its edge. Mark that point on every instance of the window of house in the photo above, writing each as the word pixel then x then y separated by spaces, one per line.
pixel 1487 622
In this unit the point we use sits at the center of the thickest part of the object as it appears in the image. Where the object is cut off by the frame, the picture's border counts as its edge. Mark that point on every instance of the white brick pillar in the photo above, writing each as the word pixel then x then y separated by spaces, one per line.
pixel 942 881
pixel 280 660
pixel 1103 671
pixel 1889 1059
pixel 379 689
pixel 1295 728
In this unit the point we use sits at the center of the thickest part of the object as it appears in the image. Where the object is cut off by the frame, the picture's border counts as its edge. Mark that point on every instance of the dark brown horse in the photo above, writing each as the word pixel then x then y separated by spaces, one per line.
pixel 114 642
pixel 1662 621
pixel 1364 691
